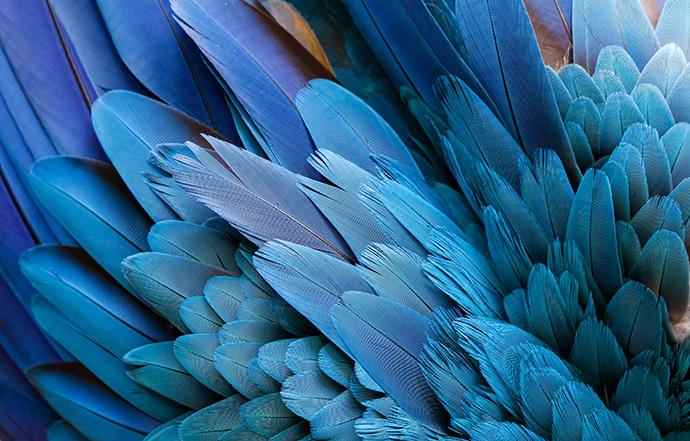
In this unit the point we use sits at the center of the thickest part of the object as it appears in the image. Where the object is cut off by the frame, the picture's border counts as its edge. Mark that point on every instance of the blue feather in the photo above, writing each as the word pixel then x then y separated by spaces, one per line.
pixel 630 158
pixel 101 361
pixel 532 118
pixel 608 82
pixel 664 69
pixel 267 415
pixel 580 84
pixel 195 242
pixel 199 317
pixel 232 362
pixel 342 123
pixel 222 32
pixel 618 61
pixel 366 322
pixel 130 126
pixel 636 332
pixel 89 200
pixel 592 227
pixel 597 24
pixel 620 112
pixel 279 210
pixel 653 107
pixel 187 84
pixel 311 281
pixel 31 32
pixel 157 368
pixel 87 31
pixel 306 393
pixel 164 281
pixel 88 405
pixel 584 112
pixel 196 353
pixel 210 423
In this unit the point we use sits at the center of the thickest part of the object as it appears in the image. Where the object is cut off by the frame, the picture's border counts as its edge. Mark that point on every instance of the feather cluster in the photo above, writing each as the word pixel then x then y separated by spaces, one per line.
pixel 261 220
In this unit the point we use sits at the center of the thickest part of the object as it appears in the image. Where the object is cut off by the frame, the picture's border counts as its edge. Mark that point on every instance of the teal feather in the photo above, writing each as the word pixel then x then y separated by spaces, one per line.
pixel 592 227
pixel 604 424
pixel 478 128
pixel 657 214
pixel 210 423
pixel 232 362
pixel 338 419
pixel 571 404
pixel 618 61
pixel 199 317
pixel 257 310
pixel 106 366
pixel 653 107
pixel 251 331
pixel 597 354
pixel 88 404
pixel 158 279
pixel 302 355
pixel 195 353
pixel 641 388
pixel 547 192
pixel 294 433
pixel 272 359
pixel 597 24
pixel 620 112
pixel 365 322
pixel 494 191
pixel 512 264
pixel 225 295
pixel 664 69
pixel 157 368
pixel 123 121
pixel 580 144
pixel 308 392
pixel 63 431
pixel 635 332
pixel 334 363
pixel 267 415
pixel 241 433
pixel 640 421
pixel 465 275
pixel 629 247
pixel 630 158
pixel 656 164
pixel 339 171
pixel 584 112
pixel 678 154
pixel 343 209
pixel 562 94
pixel 398 275
pixel 663 267
pixel 194 242
pixel 311 281
pixel 620 189
pixel 608 83
pixel 88 198
pixel 580 84
pixel 262 380
pixel 677 97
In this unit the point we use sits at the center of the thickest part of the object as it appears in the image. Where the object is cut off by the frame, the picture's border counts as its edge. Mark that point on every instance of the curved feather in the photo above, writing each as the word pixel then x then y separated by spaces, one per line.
pixel 532 118
pixel 89 200
pixel 195 242
pixel 129 127
pixel 101 362
pixel 157 368
pixel 212 422
pixel 618 61
pixel 199 317
pixel 232 362
pixel 367 322
pixel 279 67
pixel 267 415
pixel 279 209
pixel 663 267
pixel 308 392
pixel 311 281
pixel 187 85
pixel 87 31
pixel 341 122
pixel 196 354
pixel 164 281
pixel 88 405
